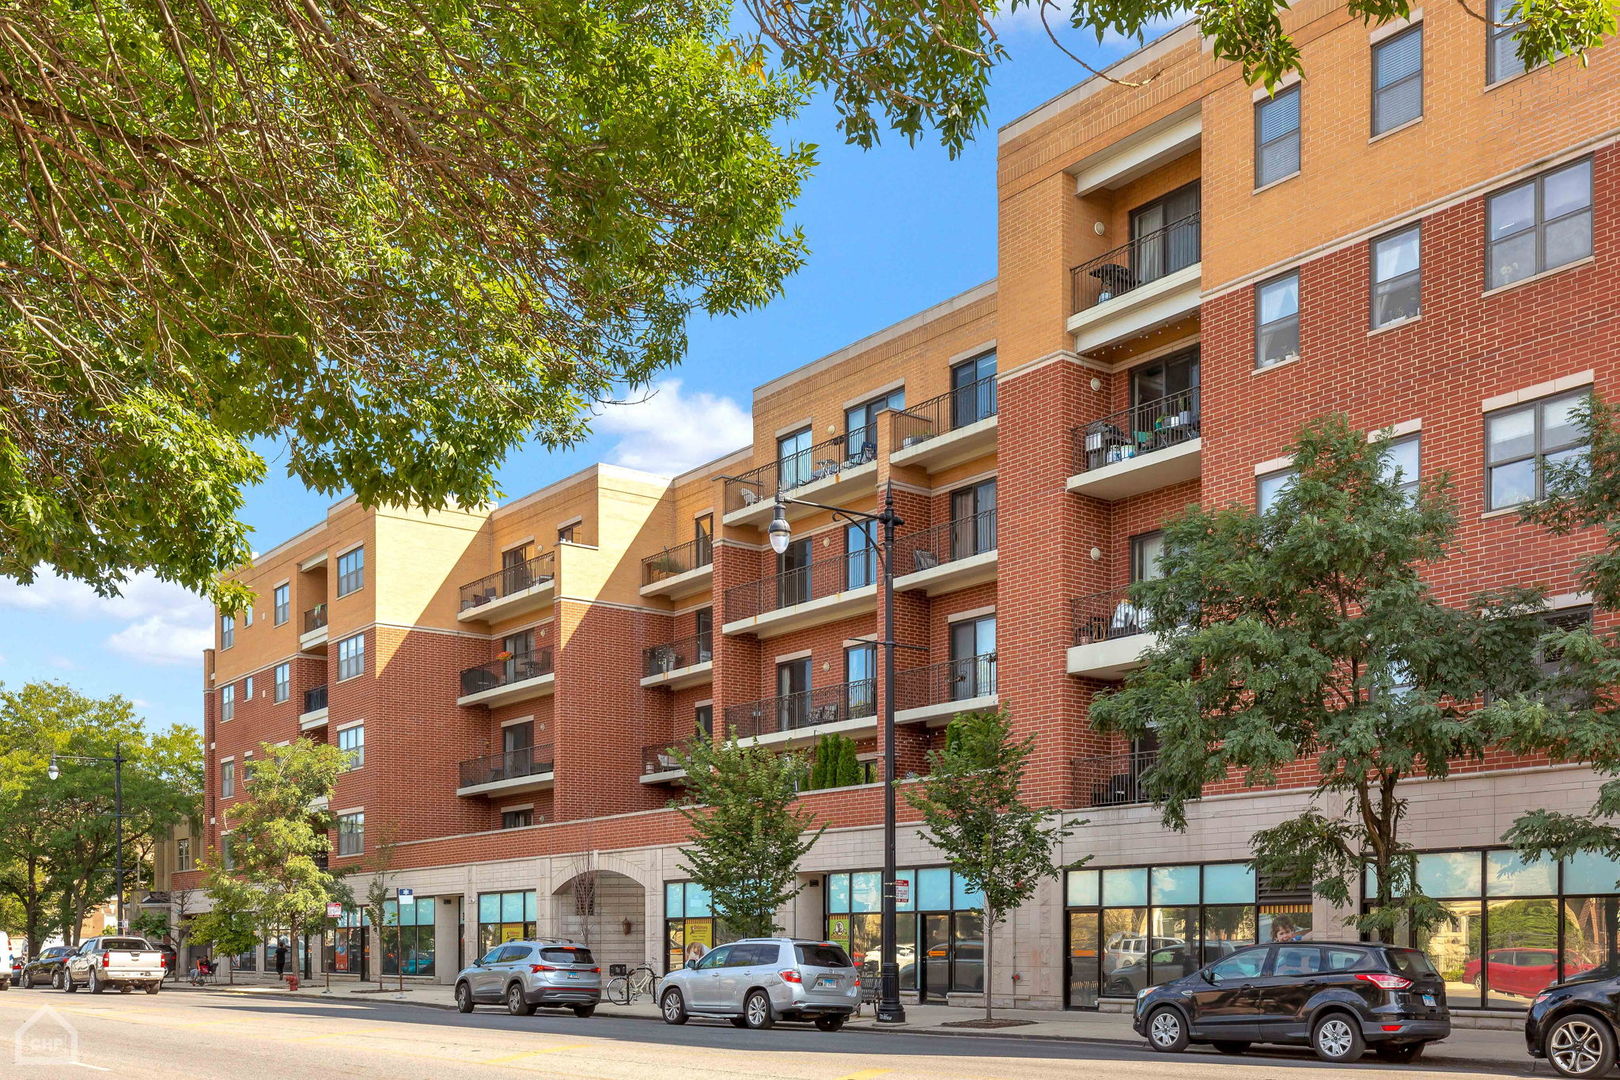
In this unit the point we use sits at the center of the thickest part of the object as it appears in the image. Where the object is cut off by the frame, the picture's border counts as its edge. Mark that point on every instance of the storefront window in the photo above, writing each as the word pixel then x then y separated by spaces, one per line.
pixel 504 916
pixel 346 944
pixel 408 934
pixel 939 932
pixel 690 929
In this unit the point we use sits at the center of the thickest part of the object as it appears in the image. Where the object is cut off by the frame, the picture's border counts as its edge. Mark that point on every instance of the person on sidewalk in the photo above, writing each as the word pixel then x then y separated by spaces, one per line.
pixel 281 957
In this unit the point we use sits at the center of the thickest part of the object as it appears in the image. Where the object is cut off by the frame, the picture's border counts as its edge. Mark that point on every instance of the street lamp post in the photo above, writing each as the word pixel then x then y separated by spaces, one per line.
pixel 117 761
pixel 889 1009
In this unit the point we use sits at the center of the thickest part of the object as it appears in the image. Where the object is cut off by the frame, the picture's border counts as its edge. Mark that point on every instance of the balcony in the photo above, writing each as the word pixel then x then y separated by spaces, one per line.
pixel 947 557
pixel 819 592
pixel 512 678
pixel 1140 449
pixel 841 467
pixel 659 763
pixel 314 714
pixel 937 692
pixel 1137 287
pixel 679 571
pixel 513 590
pixel 805 716
pixel 1113 779
pixel 511 772
pixel 314 628
pixel 678 664
pixel 949 429
pixel 1110 635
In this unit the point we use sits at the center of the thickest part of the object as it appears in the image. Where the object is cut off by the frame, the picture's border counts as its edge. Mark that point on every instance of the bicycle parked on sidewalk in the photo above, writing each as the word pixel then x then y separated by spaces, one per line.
pixel 639 982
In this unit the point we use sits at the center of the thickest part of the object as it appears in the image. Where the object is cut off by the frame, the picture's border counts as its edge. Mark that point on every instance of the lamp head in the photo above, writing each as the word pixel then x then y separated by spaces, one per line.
pixel 51 770
pixel 779 532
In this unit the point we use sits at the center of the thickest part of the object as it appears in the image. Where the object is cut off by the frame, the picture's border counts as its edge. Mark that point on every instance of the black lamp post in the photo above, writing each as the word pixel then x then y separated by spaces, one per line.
pixel 117 761
pixel 889 1009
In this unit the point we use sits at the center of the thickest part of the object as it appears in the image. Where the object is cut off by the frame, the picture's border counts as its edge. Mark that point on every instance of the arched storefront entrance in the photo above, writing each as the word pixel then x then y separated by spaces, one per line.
pixel 605 910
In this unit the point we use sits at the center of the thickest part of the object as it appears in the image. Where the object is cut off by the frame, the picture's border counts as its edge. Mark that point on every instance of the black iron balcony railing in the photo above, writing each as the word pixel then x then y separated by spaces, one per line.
pixel 507 765
pixel 953 680
pixel 674 655
pixel 509 580
pixel 315 699
pixel 504 671
pixel 315 618
pixel 967 404
pixel 1130 266
pixel 928 548
pixel 1137 431
pixel 1114 779
pixel 805 709
pixel 801 467
pixel 802 584
pixel 1107 615
pixel 677 560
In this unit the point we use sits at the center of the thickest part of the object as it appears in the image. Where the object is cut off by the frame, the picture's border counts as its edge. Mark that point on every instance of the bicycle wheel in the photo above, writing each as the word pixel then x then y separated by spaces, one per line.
pixel 618 990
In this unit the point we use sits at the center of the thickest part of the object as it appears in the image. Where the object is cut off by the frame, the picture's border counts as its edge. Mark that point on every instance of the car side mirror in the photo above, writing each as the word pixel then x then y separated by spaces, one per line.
pixel 691 965
pixel 478 962
pixel 1210 977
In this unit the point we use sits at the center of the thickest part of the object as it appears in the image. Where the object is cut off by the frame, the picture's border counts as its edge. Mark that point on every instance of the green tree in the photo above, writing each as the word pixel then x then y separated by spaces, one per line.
pixel 397 239
pixel 378 866
pixel 747 831
pixel 836 763
pixel 232 922
pixel 1309 633
pixel 976 817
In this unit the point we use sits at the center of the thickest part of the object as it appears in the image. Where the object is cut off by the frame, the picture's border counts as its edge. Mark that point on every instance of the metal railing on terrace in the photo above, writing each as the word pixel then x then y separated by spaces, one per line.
pixel 679 559
pixel 949 680
pixel 661 757
pixel 674 655
pixel 1130 266
pixel 315 699
pixel 966 404
pixel 1137 431
pixel 801 467
pixel 1107 615
pixel 1114 779
pixel 509 580
pixel 507 765
pixel 504 671
pixel 804 709
pixel 959 539
pixel 802 584
pixel 315 618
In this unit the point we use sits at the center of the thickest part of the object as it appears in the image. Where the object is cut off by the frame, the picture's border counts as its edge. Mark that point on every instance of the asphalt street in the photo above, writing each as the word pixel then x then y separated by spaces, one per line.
pixel 207 1035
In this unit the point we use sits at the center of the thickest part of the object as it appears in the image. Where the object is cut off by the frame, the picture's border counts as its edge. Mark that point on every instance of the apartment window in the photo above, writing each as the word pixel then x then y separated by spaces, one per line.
pixel 860 424
pixel 1276 136
pixel 860 678
pixel 973 519
pixel 1397 80
pixel 351 657
pixel 283 681
pixel 565 535
pixel 1502 50
pixel 227 631
pixel 1276 317
pixel 227 858
pixel 227 703
pixel 793 574
pixel 793 459
pixel 282 601
pixel 1539 225
pixel 860 557
pixel 1147 554
pixel 351 571
pixel 247 616
pixel 247 688
pixel 973 658
pixel 1164 234
pixel 703 624
pixel 182 854
pixel 703 537
pixel 1397 272
pixel 517 819
pixel 227 779
pixel 1521 441
pixel 703 720
pixel 793 694
pixel 1269 486
pixel 1403 462
pixel 352 741
pixel 973 390
pixel 351 834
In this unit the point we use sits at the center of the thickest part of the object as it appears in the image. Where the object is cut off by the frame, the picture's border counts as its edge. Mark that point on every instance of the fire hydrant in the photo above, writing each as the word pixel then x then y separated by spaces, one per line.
pixel 292 982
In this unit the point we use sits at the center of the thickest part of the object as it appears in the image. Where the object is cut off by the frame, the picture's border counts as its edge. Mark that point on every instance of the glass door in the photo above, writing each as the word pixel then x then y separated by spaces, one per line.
pixel 936 967
pixel 793 577
pixel 1082 960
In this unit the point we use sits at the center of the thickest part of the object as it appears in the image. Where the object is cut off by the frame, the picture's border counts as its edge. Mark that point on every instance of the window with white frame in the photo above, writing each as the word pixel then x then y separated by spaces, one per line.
pixel 1539 225
pixel 283 681
pixel 1270 485
pixel 1397 276
pixel 182 854
pixel 1520 442
pixel 351 571
pixel 351 657
pixel 282 602
pixel 352 741
pixel 1276 136
pixel 227 779
pixel 1403 462
pixel 247 616
pixel 247 688
pixel 1276 320
pixel 226 858
pixel 227 631
pixel 227 703
pixel 1397 77
pixel 351 830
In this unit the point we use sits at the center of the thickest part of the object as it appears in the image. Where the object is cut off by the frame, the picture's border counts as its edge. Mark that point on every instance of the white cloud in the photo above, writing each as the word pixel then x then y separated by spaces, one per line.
pixel 157 622
pixel 669 430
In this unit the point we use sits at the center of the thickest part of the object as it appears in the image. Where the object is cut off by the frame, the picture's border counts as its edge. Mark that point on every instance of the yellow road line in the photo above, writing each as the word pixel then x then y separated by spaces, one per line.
pixel 532 1053
pixel 864 1074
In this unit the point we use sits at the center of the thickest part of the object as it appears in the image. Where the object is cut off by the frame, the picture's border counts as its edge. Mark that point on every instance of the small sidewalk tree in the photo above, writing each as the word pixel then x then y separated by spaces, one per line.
pixel 976 817
pixel 748 833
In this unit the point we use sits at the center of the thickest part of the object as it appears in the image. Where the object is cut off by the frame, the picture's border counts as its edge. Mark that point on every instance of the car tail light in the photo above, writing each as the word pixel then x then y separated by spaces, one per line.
pixel 106 959
pixel 596 971
pixel 1392 1027
pixel 163 961
pixel 857 982
pixel 1388 982
pixel 790 975
pixel 538 968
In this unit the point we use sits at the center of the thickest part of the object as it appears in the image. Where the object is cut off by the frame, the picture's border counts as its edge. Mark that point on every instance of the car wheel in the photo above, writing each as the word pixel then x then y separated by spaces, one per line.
pixel 515 1003
pixel 1479 984
pixel 56 980
pixel 584 1011
pixel 1337 1038
pixel 464 1001
pixel 1230 1046
pixel 830 1023
pixel 757 1011
pixel 154 987
pixel 1404 1054
pixel 1580 1045
pixel 68 984
pixel 1166 1031
pixel 96 986
pixel 674 1007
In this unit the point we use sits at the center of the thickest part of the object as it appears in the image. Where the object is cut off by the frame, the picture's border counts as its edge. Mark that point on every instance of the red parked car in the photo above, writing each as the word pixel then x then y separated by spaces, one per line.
pixel 1525 972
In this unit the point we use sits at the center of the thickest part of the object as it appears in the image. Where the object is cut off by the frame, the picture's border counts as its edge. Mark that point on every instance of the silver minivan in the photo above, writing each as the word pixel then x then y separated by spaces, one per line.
pixel 758 981
pixel 524 975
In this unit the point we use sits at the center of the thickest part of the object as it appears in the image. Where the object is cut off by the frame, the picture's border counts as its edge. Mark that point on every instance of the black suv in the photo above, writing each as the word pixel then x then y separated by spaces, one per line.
pixel 1338 998
pixel 1572 1024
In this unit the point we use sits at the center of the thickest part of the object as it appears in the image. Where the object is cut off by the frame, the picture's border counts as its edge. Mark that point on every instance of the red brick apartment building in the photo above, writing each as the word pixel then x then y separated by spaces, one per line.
pixel 1420 235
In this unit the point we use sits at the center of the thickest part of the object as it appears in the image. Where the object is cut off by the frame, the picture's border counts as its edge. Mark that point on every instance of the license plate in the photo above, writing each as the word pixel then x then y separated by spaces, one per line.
pixel 1428 999
pixel 827 982
pixel 573 974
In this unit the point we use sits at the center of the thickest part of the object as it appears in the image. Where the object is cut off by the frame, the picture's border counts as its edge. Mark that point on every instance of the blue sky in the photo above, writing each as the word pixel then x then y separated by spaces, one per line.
pixel 891 231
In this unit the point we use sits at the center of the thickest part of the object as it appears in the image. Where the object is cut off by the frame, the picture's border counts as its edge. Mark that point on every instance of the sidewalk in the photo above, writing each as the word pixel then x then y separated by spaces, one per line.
pixel 1472 1047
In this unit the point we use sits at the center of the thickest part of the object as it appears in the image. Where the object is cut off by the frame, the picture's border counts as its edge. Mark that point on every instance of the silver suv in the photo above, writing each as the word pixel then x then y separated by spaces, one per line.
pixel 527 974
pixel 758 981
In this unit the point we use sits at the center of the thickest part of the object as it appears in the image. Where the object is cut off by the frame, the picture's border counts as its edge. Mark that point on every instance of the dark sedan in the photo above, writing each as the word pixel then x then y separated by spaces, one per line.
pixel 1337 998
pixel 1573 1024
pixel 46 968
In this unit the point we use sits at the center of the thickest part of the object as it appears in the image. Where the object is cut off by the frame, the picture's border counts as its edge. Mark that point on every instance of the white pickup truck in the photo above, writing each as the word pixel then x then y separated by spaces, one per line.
pixel 122 961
